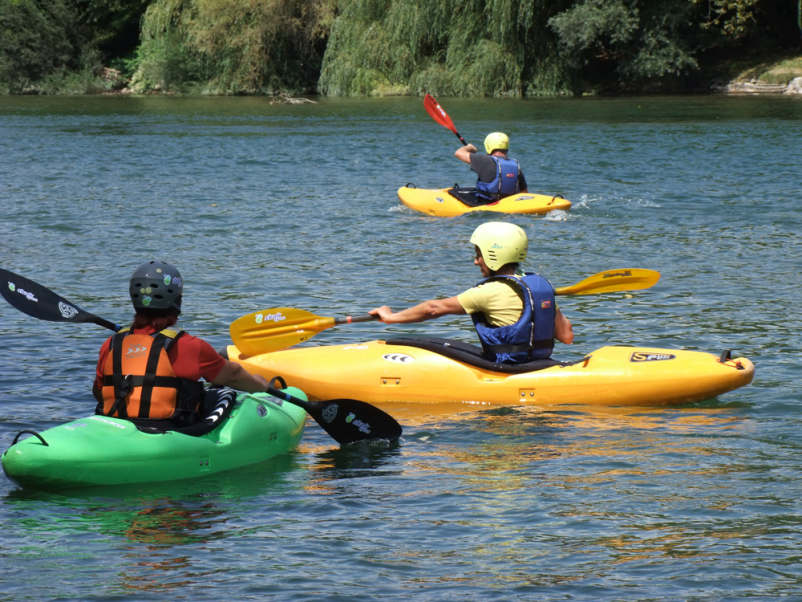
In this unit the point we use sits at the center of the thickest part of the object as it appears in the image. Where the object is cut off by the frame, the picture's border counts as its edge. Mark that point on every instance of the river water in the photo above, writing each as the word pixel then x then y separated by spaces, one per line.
pixel 262 206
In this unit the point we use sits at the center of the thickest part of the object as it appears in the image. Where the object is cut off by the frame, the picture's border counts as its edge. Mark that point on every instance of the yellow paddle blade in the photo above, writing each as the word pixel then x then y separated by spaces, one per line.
pixel 275 329
pixel 612 281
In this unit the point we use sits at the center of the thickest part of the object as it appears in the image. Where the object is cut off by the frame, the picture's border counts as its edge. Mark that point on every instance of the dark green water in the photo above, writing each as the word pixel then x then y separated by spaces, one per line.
pixel 264 206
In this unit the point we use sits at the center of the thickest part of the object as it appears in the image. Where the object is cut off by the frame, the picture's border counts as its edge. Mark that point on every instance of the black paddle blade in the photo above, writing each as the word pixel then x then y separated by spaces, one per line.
pixel 39 302
pixel 349 420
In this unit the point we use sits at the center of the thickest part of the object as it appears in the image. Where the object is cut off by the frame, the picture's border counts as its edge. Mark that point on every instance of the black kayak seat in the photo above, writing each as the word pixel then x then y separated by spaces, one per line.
pixel 472 355
pixel 467 196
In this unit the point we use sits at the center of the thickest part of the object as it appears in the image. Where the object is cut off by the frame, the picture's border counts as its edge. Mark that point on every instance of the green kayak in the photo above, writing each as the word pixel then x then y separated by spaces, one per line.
pixel 98 450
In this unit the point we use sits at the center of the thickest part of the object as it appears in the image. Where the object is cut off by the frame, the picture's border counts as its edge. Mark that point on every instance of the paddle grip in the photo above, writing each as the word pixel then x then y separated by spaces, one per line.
pixel 461 139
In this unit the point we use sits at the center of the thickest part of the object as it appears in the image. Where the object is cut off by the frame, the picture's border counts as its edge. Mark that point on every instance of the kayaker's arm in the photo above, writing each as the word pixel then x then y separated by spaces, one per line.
pixel 563 331
pixel 464 153
pixel 427 310
pixel 235 376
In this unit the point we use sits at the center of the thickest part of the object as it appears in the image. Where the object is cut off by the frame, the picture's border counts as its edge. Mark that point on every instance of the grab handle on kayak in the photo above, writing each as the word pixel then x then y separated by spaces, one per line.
pixel 34 433
pixel 282 383
pixel 411 185
pixel 555 197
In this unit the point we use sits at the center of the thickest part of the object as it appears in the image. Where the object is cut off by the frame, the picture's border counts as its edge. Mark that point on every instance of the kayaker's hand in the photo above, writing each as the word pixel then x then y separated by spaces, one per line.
pixel 262 381
pixel 471 148
pixel 385 314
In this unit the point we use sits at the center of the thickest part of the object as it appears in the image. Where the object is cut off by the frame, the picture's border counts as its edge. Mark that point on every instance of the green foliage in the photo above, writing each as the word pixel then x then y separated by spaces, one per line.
pixel 112 26
pixel 233 46
pixel 645 38
pixel 642 39
pixel 42 49
pixel 449 47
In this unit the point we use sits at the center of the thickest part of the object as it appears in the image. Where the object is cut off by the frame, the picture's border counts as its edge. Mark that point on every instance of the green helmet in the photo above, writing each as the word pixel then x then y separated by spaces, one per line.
pixel 500 243
pixel 496 141
pixel 156 285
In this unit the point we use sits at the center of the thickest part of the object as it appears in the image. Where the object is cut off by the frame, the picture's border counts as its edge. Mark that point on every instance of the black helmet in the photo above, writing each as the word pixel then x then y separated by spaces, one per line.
pixel 156 285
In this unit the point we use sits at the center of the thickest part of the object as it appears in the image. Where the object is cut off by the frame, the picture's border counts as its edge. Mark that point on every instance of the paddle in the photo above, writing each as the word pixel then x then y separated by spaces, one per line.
pixel 611 281
pixel 41 303
pixel 281 327
pixel 440 116
pixel 346 420
pixel 278 328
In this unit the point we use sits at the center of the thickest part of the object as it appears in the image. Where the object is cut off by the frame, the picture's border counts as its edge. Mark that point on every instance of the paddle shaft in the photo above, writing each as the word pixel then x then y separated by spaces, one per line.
pixel 293 400
pixel 350 320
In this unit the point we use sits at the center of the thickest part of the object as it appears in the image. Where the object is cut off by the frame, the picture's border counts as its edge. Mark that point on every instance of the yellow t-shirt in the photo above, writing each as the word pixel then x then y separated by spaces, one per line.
pixel 500 302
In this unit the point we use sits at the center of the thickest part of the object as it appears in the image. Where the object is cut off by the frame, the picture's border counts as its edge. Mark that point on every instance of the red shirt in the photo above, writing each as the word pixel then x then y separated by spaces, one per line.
pixel 192 358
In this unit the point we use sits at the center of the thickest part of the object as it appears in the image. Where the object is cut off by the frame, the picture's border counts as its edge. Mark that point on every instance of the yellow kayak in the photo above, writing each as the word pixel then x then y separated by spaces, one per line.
pixel 441 204
pixel 429 370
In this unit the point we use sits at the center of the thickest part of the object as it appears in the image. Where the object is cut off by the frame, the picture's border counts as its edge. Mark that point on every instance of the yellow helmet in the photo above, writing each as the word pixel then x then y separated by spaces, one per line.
pixel 496 141
pixel 500 243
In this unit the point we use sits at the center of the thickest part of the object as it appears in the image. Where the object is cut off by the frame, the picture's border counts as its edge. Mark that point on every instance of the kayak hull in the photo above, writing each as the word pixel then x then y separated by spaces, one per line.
pixel 441 204
pixel 376 372
pixel 100 450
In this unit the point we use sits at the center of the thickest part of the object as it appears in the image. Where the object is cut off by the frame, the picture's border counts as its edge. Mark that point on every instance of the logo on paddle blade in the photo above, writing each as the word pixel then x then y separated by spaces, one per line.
pixel 26 294
pixel 398 358
pixel 259 318
pixel 617 274
pixel 330 413
pixel 642 356
pixel 68 311
pixel 11 287
pixel 362 426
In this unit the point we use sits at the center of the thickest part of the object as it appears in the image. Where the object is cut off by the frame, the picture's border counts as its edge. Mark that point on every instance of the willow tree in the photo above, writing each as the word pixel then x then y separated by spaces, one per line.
pixel 448 47
pixel 233 46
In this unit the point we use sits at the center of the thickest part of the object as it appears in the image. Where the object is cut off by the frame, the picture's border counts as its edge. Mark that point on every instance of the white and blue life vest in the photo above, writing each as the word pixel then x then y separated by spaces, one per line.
pixel 506 182
pixel 532 336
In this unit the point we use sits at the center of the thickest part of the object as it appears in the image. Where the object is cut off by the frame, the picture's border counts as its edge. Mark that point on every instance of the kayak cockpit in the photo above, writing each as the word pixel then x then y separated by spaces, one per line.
pixel 472 355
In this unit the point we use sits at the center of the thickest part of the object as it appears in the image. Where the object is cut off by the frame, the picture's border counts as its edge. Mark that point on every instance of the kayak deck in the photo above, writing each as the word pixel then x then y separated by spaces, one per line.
pixel 440 203
pixel 378 372
pixel 99 450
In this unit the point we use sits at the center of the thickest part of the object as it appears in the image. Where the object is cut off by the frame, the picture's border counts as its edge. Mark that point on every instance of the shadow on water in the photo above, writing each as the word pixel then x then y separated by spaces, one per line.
pixel 158 514
pixel 358 460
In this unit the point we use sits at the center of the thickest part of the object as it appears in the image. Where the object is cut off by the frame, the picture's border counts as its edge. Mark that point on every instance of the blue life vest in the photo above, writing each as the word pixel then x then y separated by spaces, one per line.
pixel 532 336
pixel 506 182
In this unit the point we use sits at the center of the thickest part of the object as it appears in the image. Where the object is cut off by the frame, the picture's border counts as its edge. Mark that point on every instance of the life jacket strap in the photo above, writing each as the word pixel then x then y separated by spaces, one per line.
pixel 119 406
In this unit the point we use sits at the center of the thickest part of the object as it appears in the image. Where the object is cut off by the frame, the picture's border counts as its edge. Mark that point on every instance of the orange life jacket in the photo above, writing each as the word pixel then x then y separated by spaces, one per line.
pixel 139 381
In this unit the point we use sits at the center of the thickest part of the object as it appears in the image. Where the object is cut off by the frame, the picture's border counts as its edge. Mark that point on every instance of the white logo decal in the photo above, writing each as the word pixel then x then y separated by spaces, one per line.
pixel 276 317
pixel 72 427
pixel 99 419
pixel 136 351
pixel 524 198
pixel 355 347
pixel 68 311
pixel 398 358
pixel 27 295
pixel 259 318
pixel 330 413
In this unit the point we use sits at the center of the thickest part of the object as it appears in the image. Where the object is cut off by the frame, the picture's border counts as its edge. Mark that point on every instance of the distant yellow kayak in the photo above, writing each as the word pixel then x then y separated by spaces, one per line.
pixel 428 370
pixel 442 204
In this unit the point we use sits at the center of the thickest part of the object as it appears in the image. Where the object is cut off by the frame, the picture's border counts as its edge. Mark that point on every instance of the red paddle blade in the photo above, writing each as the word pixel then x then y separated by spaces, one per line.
pixel 437 113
